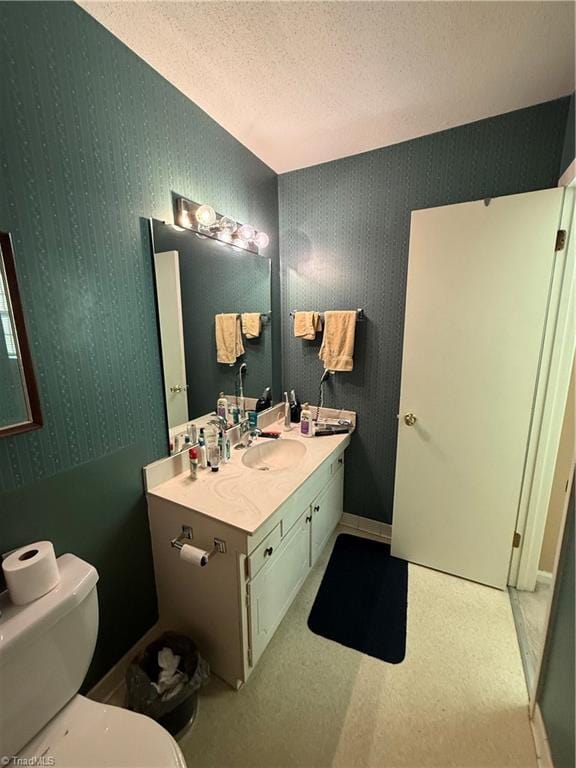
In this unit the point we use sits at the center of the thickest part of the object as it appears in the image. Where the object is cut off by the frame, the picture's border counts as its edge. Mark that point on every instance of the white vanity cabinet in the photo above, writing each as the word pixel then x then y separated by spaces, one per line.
pixel 270 593
pixel 326 512
pixel 233 606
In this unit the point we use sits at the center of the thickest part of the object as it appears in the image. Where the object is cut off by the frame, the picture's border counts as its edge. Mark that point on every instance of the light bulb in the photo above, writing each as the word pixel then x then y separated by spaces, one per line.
pixel 225 236
pixel 261 240
pixel 226 224
pixel 246 232
pixel 205 215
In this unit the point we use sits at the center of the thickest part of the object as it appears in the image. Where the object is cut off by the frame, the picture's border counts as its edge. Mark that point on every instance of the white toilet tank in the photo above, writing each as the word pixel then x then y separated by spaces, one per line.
pixel 45 650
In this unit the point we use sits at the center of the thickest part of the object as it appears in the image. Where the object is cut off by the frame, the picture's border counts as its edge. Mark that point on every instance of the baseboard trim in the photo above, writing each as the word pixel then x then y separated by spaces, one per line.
pixel 541 739
pixel 105 688
pixel 545 577
pixel 366 525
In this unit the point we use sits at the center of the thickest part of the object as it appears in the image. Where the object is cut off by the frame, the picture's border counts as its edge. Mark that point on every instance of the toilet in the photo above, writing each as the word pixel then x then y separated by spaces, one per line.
pixel 45 650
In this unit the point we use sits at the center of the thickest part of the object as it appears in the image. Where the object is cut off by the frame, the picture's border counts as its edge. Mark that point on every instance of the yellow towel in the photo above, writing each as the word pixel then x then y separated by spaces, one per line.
pixel 228 338
pixel 337 348
pixel 307 325
pixel 251 325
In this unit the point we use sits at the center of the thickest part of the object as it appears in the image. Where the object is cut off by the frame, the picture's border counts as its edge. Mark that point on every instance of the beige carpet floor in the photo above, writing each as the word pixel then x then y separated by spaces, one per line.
pixel 458 699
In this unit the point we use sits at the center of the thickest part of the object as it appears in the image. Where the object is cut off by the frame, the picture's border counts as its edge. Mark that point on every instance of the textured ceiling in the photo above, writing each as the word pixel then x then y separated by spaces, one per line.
pixel 300 83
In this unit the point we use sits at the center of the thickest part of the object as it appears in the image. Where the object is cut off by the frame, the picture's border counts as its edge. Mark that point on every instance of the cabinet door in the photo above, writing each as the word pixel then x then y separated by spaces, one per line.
pixel 271 592
pixel 326 514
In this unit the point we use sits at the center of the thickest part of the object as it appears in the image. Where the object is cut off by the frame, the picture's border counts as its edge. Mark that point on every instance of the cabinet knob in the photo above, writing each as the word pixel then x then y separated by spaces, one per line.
pixel 268 551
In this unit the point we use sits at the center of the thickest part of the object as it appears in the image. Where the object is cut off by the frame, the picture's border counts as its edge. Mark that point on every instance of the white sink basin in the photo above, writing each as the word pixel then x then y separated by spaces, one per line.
pixel 274 455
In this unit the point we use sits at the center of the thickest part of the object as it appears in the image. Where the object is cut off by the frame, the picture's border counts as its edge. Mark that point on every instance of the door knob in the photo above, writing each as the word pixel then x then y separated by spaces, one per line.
pixel 410 419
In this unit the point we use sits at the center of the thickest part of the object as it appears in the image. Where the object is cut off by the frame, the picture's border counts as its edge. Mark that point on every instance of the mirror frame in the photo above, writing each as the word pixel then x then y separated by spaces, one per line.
pixel 25 357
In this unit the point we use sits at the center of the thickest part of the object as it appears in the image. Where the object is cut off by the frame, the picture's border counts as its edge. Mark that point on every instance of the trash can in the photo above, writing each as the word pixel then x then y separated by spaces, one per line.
pixel 163 681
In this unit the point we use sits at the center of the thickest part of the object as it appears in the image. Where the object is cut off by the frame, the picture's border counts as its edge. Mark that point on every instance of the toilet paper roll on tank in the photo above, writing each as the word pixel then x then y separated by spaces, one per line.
pixel 31 572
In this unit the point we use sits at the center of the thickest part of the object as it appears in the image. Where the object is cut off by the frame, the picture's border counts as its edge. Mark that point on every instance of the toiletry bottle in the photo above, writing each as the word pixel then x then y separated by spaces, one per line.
pixel 222 407
pixel 177 444
pixel 192 432
pixel 222 446
pixel 211 439
pixel 193 456
pixel 306 425
pixel 203 461
pixel 287 418
pixel 214 457
pixel 264 401
pixel 227 447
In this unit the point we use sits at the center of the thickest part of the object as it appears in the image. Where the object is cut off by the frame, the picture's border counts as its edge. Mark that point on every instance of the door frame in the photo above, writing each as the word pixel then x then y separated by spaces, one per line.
pixel 559 347
pixel 536 683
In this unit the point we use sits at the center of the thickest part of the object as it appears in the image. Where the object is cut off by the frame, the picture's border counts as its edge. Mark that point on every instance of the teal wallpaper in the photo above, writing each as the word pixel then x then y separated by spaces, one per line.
pixel 344 236
pixel 92 139
pixel 568 150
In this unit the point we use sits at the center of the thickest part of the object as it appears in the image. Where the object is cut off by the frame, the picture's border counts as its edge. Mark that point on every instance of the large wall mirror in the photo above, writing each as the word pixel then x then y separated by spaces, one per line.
pixel 19 401
pixel 197 279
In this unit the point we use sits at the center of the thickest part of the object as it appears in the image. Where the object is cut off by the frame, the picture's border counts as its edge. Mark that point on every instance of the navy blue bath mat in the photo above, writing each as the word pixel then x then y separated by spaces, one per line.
pixel 363 598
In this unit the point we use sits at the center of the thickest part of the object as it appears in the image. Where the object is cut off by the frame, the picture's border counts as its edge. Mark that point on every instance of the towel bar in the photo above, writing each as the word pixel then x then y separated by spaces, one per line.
pixel 359 314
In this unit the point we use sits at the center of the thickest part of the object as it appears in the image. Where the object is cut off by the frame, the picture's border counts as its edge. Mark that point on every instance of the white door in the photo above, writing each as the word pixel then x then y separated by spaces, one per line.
pixel 326 513
pixel 478 283
pixel 172 335
pixel 273 589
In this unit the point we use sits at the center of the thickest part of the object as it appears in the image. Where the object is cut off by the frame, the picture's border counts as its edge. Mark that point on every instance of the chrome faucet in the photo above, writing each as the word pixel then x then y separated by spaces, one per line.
pixel 247 435
pixel 219 421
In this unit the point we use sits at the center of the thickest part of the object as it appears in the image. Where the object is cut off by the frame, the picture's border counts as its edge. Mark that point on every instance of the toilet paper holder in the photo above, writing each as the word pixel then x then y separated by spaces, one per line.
pixel 186 535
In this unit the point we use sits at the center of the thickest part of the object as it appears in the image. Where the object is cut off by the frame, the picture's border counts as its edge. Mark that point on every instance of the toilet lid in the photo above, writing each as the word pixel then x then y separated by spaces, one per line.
pixel 87 734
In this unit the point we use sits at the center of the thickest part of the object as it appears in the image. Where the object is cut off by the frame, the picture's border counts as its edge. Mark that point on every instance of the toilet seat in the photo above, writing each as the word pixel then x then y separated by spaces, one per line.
pixel 87 734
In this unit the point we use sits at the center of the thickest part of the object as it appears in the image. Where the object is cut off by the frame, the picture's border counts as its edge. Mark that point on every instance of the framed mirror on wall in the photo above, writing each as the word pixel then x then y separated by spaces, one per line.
pixel 19 401
pixel 197 279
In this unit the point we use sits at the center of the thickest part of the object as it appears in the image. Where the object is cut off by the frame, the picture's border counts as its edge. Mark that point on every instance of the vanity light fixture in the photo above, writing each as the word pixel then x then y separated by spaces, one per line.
pixel 206 222
pixel 206 215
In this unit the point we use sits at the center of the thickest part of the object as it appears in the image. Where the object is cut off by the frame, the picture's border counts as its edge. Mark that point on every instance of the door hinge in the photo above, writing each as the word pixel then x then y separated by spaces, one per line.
pixel 516 540
pixel 560 240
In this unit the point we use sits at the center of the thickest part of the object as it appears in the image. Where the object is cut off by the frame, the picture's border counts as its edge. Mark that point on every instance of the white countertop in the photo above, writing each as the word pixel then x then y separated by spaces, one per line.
pixel 242 497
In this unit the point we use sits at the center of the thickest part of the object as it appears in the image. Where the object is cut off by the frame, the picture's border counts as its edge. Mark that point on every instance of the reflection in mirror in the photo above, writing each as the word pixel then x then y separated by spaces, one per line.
pixel 198 279
pixel 19 403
